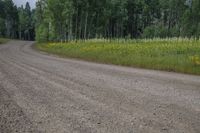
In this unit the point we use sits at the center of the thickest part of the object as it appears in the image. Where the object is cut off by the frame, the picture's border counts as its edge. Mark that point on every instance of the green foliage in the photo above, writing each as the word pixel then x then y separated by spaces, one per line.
pixel 86 19
pixel 26 23
pixel 161 54
pixel 16 22
pixel 2 27
pixel 191 19
pixel 156 31
pixel 42 33
pixel 149 32
pixel 57 20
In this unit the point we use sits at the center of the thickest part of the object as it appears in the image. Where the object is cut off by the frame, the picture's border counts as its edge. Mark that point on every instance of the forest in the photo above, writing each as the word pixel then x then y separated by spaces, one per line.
pixel 65 20
pixel 16 22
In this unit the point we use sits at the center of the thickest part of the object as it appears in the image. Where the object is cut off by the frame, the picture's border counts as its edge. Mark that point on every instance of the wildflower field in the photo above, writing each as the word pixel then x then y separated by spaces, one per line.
pixel 176 54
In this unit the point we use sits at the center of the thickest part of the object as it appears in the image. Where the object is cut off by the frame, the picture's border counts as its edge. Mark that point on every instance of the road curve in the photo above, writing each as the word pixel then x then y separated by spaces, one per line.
pixel 47 94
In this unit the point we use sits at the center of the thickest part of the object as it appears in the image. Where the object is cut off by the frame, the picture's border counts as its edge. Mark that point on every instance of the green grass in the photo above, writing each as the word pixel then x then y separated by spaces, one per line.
pixel 3 40
pixel 177 55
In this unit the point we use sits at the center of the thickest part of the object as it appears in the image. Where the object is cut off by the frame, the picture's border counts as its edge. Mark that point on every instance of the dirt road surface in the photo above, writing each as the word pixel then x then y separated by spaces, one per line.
pixel 47 94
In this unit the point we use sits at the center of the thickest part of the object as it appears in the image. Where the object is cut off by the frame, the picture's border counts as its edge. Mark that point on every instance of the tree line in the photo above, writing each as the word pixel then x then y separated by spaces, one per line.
pixel 16 23
pixel 84 19
pixel 65 20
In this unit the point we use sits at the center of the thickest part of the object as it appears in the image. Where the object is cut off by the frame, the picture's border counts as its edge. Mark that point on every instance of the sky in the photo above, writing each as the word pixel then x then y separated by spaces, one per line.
pixel 23 2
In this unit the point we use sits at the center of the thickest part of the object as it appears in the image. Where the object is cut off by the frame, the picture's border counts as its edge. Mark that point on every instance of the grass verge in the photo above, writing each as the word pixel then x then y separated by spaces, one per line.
pixel 177 55
pixel 3 40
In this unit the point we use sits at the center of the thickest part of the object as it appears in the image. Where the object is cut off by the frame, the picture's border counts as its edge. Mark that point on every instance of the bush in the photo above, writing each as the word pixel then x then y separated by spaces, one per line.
pixel 42 33
pixel 149 32
pixel 156 31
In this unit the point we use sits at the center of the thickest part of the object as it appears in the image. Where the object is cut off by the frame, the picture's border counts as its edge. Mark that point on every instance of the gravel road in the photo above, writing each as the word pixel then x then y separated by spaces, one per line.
pixel 41 93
